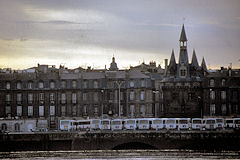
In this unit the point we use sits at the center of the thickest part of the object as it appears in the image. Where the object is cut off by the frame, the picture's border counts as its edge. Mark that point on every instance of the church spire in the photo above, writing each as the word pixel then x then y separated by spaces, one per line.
pixel 183 37
pixel 172 60
pixel 194 60
pixel 203 65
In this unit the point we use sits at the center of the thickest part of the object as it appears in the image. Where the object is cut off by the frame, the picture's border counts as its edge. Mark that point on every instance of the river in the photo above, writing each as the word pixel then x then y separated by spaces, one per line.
pixel 119 155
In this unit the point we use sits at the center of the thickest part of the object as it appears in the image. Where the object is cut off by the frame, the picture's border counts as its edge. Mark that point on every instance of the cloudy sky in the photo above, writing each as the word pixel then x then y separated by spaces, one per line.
pixel 89 32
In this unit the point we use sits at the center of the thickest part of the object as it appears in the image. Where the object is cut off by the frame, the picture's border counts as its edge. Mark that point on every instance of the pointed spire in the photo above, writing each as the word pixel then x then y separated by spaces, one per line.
pixel 203 65
pixel 183 36
pixel 172 59
pixel 194 60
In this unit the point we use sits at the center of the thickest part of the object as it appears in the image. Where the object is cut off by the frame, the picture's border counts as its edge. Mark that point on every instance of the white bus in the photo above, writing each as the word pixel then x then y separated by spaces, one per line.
pixel 183 123
pixel 210 124
pixel 65 125
pixel 105 124
pixel 229 123
pixel 158 123
pixel 171 123
pixel 143 123
pixel 236 123
pixel 130 124
pixel 220 123
pixel 95 124
pixel 82 124
pixel 197 124
pixel 116 124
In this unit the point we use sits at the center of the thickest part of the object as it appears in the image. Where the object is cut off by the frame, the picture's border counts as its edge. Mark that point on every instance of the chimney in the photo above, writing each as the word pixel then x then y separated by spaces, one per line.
pixel 166 63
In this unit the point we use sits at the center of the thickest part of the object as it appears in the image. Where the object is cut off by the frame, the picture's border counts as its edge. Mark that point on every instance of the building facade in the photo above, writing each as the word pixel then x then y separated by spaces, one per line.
pixel 181 89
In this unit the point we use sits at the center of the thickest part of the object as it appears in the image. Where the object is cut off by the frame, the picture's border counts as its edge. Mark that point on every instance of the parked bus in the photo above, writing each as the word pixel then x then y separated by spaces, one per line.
pixel 95 124
pixel 158 123
pixel 143 123
pixel 183 123
pixel 105 124
pixel 170 123
pixel 197 124
pixel 130 124
pixel 210 124
pixel 116 124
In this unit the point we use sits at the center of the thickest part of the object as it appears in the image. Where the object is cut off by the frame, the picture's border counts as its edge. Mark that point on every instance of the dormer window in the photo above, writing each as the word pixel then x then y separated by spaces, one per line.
pixel 223 82
pixel 183 72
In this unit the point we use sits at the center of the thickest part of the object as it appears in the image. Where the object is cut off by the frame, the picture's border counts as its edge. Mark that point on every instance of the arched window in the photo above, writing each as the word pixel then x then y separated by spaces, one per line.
pixel 19 85
pixel 223 82
pixel 17 127
pixel 211 83
pixel 4 127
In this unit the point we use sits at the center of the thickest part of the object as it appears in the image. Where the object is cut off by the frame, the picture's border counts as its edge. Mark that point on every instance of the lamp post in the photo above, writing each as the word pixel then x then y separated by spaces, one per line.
pixel 102 91
pixel 155 107
pixel 119 83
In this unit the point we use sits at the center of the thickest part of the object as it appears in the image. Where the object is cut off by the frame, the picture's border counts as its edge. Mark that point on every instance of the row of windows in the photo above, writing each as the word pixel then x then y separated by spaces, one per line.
pixel 222 93
pixel 212 82
pixel 96 97
pixel 52 110
pixel 233 109
pixel 52 84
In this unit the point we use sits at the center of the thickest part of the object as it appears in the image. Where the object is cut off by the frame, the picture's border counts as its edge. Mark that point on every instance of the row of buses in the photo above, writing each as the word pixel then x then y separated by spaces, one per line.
pixel 151 124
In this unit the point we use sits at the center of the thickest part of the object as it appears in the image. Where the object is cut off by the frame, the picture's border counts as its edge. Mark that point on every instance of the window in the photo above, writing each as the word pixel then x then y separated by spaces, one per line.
pixel 235 95
pixel 40 85
pixel 19 97
pixel 212 95
pixel 41 96
pixel 30 110
pixel 85 84
pixel 84 110
pixel 63 98
pixel 19 85
pixel 8 110
pixel 8 85
pixel 19 110
pixel 212 109
pixel 63 84
pixel 211 83
pixel 74 110
pixel 223 82
pixel 30 97
pixel 95 97
pixel 4 127
pixel 74 84
pixel 142 95
pixel 142 110
pixel 95 110
pixel 8 97
pixel 41 111
pixel 95 84
pixel 52 97
pixel 30 85
pixel 84 96
pixel 224 109
pixel 17 127
pixel 63 110
pixel 131 83
pixel 52 110
pixel 132 110
pixel 74 98
pixel 143 83
pixel 223 95
pixel 52 85
pixel 132 96
pixel 183 72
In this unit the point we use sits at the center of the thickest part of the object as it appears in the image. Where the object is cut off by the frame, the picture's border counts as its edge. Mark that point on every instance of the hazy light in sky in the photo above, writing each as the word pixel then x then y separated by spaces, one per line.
pixel 88 33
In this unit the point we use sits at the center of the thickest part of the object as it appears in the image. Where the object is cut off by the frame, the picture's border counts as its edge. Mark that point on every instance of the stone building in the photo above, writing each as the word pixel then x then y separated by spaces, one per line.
pixel 181 89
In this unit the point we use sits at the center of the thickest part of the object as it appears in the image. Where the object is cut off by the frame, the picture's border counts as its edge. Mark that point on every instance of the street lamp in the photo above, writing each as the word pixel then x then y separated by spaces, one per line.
pixel 102 102
pixel 155 107
pixel 119 83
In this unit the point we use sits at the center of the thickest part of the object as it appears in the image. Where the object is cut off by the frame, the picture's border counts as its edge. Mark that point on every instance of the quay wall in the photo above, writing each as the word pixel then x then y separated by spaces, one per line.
pixel 108 140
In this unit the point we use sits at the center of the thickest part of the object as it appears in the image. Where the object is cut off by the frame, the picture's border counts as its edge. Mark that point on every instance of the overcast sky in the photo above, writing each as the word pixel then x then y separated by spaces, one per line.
pixel 89 32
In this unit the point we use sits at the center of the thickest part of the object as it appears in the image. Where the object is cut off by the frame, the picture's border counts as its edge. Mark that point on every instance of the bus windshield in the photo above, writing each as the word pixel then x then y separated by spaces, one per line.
pixel 116 122
pixel 197 122
pixel 210 121
pixel 95 121
pixel 64 122
pixel 157 121
pixel 105 122
pixel 183 121
pixel 131 122
pixel 143 121
pixel 170 122
pixel 219 120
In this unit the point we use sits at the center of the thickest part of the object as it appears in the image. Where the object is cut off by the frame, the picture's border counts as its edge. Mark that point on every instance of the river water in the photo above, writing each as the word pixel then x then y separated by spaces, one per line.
pixel 119 155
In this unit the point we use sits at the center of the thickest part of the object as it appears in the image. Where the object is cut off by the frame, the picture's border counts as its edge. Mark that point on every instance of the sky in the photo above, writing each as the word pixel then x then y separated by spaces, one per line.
pixel 89 32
